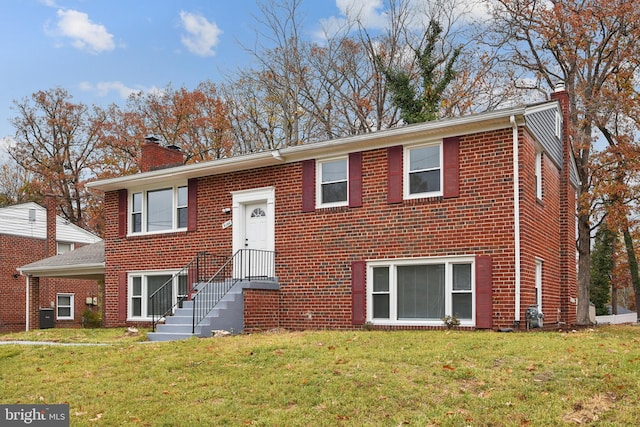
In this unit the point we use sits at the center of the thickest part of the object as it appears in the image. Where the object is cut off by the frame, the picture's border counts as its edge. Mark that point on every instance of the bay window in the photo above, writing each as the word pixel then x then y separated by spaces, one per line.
pixel 420 291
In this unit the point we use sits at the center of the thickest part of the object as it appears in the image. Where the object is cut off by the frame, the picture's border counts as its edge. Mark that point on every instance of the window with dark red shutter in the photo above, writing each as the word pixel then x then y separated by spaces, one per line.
pixel 122 295
pixel 394 174
pixel 122 213
pixel 484 286
pixel 355 180
pixel 308 185
pixel 192 205
pixel 358 292
pixel 451 164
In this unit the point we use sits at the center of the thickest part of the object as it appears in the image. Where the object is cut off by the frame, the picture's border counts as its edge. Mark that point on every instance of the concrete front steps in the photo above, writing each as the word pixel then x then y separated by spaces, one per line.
pixel 227 315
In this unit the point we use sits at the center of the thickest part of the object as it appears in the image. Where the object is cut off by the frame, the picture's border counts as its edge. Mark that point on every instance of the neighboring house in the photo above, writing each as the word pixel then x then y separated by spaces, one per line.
pixel 472 217
pixel 28 233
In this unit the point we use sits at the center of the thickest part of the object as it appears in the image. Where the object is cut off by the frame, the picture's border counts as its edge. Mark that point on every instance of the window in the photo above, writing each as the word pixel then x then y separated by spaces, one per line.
pixel 538 172
pixel 332 182
pixel 159 210
pixel 64 247
pixel 142 286
pixel 559 124
pixel 64 306
pixel 409 292
pixel 423 171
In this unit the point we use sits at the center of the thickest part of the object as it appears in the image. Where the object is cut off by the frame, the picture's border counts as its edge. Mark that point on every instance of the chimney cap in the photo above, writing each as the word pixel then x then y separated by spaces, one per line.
pixel 151 138
pixel 559 86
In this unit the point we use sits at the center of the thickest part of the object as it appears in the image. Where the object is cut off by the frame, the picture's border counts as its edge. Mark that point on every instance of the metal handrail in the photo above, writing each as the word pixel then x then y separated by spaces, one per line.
pixel 245 264
pixel 200 268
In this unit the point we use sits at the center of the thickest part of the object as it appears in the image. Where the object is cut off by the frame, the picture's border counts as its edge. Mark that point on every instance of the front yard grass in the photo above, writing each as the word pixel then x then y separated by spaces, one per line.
pixel 327 378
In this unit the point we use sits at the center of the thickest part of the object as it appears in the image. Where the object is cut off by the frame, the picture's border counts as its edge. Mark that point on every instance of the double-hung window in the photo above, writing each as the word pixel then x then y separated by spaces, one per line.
pixel 143 285
pixel 423 171
pixel 412 292
pixel 332 182
pixel 159 210
pixel 64 306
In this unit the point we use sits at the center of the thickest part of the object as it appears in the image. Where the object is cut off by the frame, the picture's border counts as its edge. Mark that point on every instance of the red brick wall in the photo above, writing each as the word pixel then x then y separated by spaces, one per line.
pixel 261 310
pixel 155 156
pixel 315 250
pixel 16 251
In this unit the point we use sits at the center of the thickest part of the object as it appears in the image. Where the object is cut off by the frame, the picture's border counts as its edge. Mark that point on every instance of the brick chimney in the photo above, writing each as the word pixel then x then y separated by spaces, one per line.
pixel 50 206
pixel 568 198
pixel 155 156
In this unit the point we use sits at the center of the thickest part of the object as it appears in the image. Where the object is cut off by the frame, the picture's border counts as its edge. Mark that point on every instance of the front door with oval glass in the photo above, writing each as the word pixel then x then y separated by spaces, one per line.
pixel 257 260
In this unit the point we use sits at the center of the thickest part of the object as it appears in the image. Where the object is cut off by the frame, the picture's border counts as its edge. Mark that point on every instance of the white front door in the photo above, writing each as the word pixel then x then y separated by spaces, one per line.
pixel 255 226
pixel 254 232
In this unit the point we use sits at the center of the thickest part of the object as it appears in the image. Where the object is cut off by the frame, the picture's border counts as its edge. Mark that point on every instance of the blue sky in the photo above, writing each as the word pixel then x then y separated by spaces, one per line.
pixel 103 50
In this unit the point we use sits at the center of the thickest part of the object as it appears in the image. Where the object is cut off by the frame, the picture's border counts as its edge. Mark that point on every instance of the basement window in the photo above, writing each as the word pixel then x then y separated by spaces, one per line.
pixel 421 292
pixel 143 285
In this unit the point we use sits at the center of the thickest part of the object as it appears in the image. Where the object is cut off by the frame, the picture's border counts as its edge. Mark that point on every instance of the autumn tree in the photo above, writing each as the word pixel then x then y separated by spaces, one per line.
pixel 194 120
pixel 57 141
pixel 602 268
pixel 589 45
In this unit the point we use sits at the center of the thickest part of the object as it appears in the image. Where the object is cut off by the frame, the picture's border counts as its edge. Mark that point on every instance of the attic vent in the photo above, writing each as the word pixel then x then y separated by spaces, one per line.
pixel 32 215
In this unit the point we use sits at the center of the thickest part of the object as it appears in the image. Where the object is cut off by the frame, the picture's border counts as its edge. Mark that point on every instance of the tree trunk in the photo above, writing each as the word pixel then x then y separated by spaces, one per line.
pixel 633 265
pixel 584 273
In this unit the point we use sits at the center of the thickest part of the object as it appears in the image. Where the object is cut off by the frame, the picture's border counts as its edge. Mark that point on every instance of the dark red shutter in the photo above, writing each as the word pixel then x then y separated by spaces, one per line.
pixel 484 289
pixel 122 296
pixel 308 185
pixel 451 164
pixel 358 292
pixel 192 204
pixel 355 180
pixel 394 174
pixel 122 213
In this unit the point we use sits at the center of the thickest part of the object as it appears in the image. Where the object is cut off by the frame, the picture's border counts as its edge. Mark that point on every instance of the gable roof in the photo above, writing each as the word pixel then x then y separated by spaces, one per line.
pixel 30 220
pixel 86 262
pixel 404 135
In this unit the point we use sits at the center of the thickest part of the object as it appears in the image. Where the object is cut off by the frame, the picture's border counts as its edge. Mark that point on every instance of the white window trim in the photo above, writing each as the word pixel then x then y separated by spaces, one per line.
pixel 71 302
pixel 406 171
pixel 559 120
pixel 393 294
pixel 319 183
pixel 538 175
pixel 145 295
pixel 71 247
pixel 174 219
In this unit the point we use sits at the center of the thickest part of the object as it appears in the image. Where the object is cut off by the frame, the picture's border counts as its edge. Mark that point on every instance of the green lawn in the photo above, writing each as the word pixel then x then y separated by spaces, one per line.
pixel 416 378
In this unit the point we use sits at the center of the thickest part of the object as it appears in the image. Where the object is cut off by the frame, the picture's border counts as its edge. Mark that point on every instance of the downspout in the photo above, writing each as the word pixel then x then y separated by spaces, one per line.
pixel 516 220
pixel 27 310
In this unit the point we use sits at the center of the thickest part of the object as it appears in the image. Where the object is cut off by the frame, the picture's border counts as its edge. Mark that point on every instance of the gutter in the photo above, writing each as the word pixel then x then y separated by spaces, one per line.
pixel 516 220
pixel 27 310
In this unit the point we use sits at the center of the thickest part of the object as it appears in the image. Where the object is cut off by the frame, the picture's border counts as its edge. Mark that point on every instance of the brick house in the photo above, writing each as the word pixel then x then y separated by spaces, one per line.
pixel 28 233
pixel 472 217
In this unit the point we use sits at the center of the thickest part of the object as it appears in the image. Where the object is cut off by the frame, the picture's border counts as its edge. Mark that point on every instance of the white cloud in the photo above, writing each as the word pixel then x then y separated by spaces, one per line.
pixel 368 12
pixel 85 34
pixel 202 35
pixel 104 88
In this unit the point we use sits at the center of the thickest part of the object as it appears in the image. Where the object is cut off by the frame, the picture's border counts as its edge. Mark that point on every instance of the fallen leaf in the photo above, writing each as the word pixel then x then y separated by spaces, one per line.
pixel 448 368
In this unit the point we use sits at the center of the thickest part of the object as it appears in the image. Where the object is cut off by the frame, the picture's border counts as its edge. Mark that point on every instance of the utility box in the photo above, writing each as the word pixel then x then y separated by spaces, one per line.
pixel 46 318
